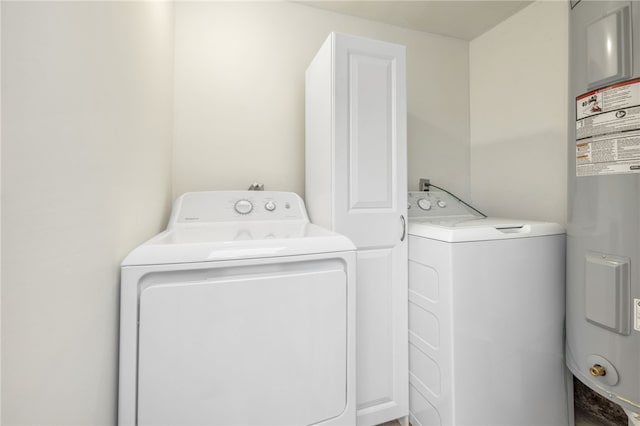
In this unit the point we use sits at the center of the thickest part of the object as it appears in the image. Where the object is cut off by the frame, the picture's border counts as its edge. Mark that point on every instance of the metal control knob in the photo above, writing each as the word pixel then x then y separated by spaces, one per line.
pixel 424 204
pixel 243 206
pixel 442 204
pixel 597 370
pixel 270 206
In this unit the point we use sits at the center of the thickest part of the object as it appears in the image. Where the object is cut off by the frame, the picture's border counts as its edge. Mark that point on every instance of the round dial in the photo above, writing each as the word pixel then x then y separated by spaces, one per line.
pixel 243 206
pixel 424 204
pixel 442 204
pixel 270 206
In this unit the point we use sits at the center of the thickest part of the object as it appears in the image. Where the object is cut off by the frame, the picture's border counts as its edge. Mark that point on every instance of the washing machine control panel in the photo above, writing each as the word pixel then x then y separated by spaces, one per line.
pixel 235 206
pixel 428 204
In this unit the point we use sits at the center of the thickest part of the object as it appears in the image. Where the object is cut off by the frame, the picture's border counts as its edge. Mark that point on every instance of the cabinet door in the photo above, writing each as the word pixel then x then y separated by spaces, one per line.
pixel 370 208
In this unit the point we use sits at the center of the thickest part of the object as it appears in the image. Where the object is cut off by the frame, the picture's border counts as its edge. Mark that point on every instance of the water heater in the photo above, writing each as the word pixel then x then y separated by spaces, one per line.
pixel 603 232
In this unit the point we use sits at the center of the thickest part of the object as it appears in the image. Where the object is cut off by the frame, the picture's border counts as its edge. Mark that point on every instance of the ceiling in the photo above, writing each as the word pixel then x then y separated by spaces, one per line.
pixel 454 18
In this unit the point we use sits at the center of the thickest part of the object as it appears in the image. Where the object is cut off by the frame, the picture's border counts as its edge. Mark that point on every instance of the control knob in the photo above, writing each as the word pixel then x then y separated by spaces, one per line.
pixel 424 204
pixel 270 206
pixel 243 206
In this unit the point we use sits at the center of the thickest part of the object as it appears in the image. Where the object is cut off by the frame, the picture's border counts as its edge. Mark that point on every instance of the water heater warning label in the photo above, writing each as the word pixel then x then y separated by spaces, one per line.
pixel 636 314
pixel 608 130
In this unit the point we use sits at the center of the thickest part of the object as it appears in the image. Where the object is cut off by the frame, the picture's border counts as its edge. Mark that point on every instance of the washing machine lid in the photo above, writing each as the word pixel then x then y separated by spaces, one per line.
pixel 455 229
pixel 240 241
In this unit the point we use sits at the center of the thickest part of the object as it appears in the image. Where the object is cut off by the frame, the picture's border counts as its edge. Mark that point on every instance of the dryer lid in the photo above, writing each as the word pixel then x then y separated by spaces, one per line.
pixel 233 241
pixel 231 225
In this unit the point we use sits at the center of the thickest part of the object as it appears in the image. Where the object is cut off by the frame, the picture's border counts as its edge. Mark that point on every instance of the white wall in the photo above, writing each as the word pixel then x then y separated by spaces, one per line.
pixel 239 95
pixel 519 114
pixel 86 169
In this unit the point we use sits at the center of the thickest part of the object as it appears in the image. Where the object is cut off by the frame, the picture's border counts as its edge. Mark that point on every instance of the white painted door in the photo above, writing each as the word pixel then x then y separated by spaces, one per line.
pixel 370 208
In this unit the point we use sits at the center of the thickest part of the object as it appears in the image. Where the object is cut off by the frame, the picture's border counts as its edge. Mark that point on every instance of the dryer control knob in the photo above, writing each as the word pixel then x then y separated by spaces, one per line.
pixel 424 204
pixel 243 206
pixel 442 204
pixel 270 206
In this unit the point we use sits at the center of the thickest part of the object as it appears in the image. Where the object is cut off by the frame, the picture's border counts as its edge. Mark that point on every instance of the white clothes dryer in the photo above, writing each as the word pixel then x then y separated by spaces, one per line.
pixel 486 317
pixel 240 313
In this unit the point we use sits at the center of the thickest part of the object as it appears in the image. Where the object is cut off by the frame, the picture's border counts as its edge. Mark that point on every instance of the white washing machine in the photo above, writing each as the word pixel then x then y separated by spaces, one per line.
pixel 240 313
pixel 486 317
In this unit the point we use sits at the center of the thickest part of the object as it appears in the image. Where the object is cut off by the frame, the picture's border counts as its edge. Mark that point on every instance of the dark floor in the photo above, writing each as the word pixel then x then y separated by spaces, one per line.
pixel 594 410
pixel 591 409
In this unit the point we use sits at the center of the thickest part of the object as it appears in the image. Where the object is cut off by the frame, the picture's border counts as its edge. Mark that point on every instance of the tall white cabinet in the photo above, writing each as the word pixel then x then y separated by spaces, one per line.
pixel 356 184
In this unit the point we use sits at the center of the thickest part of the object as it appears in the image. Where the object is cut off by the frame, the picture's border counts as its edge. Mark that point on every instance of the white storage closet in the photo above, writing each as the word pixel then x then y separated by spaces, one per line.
pixel 356 184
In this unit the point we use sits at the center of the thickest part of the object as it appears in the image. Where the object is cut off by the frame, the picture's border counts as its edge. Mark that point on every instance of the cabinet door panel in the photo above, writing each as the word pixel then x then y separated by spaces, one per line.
pixel 371 156
pixel 375 326
pixel 370 141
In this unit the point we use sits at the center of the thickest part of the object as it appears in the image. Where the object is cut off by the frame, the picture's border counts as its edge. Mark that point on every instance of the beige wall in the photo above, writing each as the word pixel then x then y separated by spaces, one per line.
pixel 86 169
pixel 519 115
pixel 239 95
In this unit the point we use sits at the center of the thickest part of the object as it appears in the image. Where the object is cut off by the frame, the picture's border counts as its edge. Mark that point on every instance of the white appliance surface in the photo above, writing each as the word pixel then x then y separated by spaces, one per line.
pixel 240 313
pixel 202 243
pixel 447 219
pixel 486 311
pixel 205 226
